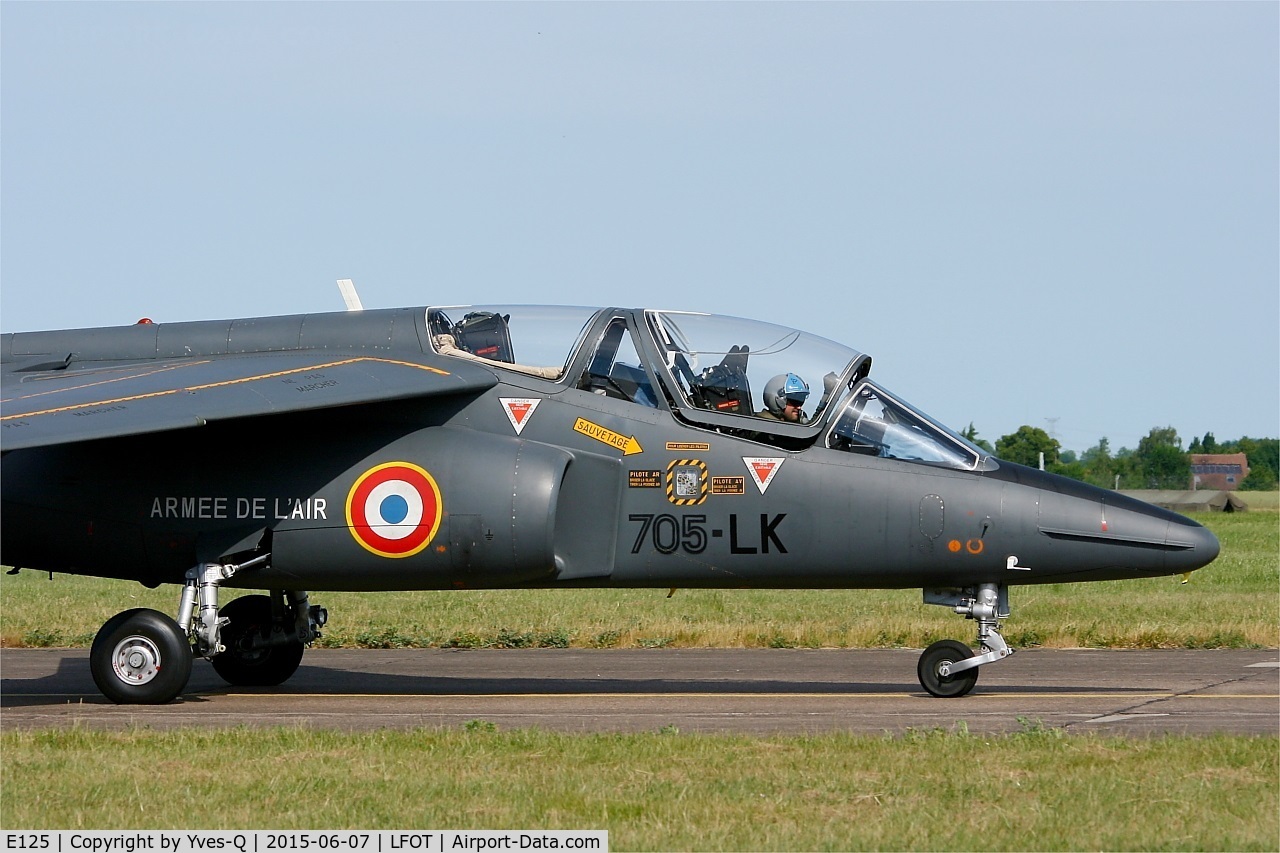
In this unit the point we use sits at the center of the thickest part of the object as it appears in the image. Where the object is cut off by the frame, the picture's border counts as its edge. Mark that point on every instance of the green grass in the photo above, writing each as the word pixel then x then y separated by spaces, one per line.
pixel 1038 789
pixel 1231 603
pixel 1267 501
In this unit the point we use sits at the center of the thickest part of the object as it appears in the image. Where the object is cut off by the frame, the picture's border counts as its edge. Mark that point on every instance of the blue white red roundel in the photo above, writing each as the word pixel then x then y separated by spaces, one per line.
pixel 394 509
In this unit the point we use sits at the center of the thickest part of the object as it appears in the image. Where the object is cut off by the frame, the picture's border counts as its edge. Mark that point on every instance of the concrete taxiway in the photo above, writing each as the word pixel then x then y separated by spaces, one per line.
pixel 757 691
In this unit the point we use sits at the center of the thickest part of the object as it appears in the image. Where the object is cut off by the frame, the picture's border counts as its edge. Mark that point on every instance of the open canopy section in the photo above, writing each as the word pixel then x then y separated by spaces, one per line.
pixel 785 379
pixel 538 340
pixel 748 367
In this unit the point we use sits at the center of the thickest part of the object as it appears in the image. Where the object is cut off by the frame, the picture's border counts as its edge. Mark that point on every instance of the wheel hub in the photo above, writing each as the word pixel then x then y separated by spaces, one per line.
pixel 136 660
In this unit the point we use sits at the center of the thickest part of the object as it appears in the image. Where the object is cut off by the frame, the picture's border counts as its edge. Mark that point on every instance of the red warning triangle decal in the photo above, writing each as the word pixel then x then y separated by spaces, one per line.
pixel 763 469
pixel 519 410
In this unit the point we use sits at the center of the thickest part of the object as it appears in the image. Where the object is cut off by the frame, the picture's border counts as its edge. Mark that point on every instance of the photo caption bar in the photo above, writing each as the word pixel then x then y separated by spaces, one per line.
pixel 312 840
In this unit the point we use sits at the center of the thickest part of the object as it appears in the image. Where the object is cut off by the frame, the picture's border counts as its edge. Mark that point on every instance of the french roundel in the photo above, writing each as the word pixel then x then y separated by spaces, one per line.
pixel 394 509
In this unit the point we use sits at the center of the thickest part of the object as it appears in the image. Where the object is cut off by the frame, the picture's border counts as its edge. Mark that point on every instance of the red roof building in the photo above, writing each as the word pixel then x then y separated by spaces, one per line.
pixel 1224 471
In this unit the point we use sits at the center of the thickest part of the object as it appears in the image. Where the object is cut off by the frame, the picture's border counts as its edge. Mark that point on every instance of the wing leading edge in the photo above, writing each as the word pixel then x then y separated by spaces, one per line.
pixel 47 407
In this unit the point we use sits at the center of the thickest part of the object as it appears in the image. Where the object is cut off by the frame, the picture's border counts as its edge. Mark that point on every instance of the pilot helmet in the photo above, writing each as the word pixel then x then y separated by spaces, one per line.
pixel 784 387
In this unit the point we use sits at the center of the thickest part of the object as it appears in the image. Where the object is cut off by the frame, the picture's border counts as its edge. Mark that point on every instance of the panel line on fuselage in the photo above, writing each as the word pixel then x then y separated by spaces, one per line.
pixel 222 384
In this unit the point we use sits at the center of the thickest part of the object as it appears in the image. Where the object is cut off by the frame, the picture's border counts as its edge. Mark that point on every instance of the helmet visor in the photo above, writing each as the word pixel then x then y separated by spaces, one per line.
pixel 795 390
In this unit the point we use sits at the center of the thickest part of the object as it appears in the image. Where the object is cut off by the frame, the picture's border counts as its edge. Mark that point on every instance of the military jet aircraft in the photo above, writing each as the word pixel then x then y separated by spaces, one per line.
pixel 511 447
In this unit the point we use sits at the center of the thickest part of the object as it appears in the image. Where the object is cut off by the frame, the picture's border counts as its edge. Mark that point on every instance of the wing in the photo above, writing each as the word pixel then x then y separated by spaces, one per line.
pixel 43 407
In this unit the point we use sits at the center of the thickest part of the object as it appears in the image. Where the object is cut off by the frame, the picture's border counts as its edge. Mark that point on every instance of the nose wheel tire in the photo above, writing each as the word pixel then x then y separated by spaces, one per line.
pixel 946 652
pixel 140 657
pixel 248 661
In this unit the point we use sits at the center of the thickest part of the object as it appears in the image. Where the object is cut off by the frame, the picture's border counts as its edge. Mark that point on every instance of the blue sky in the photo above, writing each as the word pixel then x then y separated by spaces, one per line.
pixel 1059 214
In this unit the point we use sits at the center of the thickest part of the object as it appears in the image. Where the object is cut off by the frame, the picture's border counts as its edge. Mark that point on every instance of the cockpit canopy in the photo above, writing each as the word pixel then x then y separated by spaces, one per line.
pixel 712 371
pixel 724 363
pixel 547 335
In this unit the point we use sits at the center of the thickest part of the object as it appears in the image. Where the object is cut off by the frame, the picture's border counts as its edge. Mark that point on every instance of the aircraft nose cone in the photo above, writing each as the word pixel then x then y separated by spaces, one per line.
pixel 1174 543
pixel 1091 533
pixel 1205 549
pixel 1177 543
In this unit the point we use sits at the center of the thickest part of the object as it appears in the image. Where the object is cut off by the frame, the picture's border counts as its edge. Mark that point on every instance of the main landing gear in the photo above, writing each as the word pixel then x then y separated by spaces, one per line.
pixel 144 657
pixel 949 668
pixel 140 657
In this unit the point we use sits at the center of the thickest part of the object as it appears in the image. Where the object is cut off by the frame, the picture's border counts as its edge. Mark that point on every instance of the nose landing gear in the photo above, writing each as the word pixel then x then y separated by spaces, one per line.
pixel 935 669
pixel 949 668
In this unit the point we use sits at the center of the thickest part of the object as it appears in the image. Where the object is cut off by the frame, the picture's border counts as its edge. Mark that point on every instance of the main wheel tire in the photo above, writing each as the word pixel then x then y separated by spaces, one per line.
pixel 243 665
pixel 140 657
pixel 946 686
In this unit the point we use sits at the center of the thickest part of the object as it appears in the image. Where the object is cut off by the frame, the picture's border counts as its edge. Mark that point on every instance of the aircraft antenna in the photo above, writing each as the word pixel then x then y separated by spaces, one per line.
pixel 349 295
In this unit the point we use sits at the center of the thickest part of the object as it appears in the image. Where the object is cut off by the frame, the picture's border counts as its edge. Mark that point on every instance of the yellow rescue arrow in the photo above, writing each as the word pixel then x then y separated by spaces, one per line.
pixel 626 443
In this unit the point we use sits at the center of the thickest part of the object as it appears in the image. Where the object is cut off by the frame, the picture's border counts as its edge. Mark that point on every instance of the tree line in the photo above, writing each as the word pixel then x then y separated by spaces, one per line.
pixel 1158 462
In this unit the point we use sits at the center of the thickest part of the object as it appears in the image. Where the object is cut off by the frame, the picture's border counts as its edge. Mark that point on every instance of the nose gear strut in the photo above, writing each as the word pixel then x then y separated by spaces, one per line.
pixel 949 668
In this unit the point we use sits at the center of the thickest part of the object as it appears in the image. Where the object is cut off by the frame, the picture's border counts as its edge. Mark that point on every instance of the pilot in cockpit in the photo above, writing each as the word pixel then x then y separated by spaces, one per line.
pixel 784 396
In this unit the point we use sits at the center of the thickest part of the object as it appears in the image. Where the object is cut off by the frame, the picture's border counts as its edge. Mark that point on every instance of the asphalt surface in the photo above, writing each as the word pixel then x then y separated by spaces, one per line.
pixel 756 691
